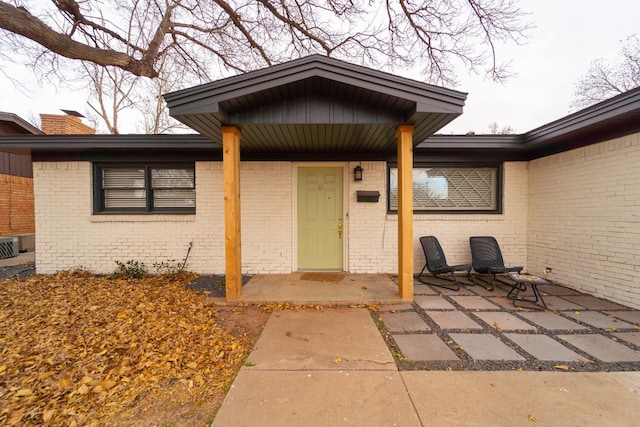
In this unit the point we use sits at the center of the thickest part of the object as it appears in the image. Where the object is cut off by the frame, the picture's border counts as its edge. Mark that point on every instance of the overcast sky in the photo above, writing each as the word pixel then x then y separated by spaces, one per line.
pixel 568 36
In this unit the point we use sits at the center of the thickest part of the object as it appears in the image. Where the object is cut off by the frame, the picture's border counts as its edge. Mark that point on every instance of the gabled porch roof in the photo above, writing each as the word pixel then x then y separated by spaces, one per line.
pixel 316 105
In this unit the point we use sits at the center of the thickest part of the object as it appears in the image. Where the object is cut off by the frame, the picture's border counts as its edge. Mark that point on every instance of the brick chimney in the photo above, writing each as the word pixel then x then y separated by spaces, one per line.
pixel 57 124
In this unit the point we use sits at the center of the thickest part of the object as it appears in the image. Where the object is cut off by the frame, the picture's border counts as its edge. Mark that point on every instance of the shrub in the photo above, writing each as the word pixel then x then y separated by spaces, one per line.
pixel 131 269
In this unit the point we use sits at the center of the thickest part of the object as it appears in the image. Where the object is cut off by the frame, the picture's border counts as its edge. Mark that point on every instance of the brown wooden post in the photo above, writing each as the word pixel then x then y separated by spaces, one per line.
pixel 404 135
pixel 232 235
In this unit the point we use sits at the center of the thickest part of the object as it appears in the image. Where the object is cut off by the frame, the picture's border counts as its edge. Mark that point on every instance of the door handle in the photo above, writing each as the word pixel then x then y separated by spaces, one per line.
pixel 340 230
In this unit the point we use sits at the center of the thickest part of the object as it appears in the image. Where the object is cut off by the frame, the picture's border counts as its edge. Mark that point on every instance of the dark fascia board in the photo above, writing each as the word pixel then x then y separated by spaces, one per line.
pixel 425 95
pixel 590 116
pixel 19 122
pixel 26 144
pixel 473 142
pixel 471 148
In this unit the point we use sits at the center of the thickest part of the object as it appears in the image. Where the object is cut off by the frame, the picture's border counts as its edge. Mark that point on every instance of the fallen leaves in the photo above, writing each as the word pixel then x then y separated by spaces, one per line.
pixel 77 349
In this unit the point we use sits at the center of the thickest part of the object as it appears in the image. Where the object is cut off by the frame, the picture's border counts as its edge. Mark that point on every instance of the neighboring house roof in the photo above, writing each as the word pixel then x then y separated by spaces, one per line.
pixel 12 124
pixel 316 105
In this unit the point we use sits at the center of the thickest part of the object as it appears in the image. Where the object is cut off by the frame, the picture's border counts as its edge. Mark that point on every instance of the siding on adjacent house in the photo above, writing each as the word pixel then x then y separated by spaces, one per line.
pixel 584 218
pixel 70 236
pixel 16 200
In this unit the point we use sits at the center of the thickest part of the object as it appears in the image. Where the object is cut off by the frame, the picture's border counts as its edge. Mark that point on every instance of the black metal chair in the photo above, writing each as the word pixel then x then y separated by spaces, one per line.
pixel 486 258
pixel 436 264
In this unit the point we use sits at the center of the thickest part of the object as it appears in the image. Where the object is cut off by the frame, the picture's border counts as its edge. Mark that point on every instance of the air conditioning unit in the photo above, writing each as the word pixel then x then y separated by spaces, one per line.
pixel 8 247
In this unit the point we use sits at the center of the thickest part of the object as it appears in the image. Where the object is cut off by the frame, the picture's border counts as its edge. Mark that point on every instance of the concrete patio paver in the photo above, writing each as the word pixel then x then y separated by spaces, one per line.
pixel 452 320
pixel 396 307
pixel 544 348
pixel 551 321
pixel 600 320
pixel 429 302
pixel 593 303
pixel 559 303
pixel 404 322
pixel 557 290
pixel 504 321
pixel 602 348
pixel 632 316
pixel 474 302
pixel 632 337
pixel 484 347
pixel 420 289
pixel 424 347
pixel 513 398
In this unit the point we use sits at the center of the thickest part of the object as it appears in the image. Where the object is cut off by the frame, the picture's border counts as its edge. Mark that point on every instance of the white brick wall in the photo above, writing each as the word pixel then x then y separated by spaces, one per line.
pixel 373 236
pixel 584 218
pixel 576 212
pixel 509 227
pixel 69 236
pixel 267 212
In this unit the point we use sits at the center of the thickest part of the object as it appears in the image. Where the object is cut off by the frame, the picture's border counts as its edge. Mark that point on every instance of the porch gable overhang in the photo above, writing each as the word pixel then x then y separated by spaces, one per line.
pixel 316 105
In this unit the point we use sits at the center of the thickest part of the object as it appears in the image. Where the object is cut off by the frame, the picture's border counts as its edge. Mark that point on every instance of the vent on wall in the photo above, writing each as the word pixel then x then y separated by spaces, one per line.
pixel 8 247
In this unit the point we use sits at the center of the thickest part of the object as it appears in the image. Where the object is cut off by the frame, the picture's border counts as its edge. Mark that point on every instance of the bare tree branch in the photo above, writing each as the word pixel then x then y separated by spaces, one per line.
pixel 603 80
pixel 19 21
pixel 248 34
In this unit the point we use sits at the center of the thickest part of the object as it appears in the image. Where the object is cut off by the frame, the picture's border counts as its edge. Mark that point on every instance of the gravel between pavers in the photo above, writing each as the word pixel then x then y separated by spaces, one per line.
pixel 17 271
pixel 213 285
pixel 466 363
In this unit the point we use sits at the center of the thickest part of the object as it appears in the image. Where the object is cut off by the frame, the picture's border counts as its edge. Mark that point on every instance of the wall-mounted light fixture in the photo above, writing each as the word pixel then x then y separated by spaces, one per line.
pixel 357 173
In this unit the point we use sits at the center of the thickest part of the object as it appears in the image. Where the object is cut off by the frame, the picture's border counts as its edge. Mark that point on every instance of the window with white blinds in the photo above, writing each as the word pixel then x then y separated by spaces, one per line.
pixel 145 188
pixel 452 189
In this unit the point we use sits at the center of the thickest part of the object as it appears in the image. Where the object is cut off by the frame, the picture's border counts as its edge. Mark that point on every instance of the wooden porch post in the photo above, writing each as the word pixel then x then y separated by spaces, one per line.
pixel 232 235
pixel 404 135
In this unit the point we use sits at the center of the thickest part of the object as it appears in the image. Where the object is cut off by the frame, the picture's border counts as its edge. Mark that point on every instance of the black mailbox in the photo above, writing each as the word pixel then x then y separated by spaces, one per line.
pixel 368 196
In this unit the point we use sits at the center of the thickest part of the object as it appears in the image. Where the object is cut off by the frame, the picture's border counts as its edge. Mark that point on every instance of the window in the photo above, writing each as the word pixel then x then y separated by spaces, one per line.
pixel 451 189
pixel 145 188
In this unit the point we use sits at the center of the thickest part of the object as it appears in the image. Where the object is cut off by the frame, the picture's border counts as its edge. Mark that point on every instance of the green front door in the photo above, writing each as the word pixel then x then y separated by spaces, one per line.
pixel 320 218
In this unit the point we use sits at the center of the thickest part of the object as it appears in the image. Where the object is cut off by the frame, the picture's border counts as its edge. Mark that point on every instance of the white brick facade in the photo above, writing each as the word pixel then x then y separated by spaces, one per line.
pixel 576 212
pixel 584 218
pixel 70 236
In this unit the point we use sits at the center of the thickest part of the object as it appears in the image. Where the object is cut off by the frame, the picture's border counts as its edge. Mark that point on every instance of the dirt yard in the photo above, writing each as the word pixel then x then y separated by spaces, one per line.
pixel 77 349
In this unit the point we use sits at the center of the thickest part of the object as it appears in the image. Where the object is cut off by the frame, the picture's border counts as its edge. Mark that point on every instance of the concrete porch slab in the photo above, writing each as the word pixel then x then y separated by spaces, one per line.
pixel 329 339
pixel 290 288
pixel 524 398
pixel 317 398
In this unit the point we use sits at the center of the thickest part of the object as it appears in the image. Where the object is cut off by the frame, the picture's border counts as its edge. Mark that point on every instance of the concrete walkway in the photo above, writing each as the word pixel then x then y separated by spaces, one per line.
pixel 331 367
